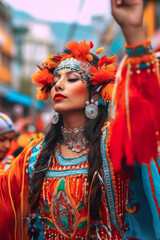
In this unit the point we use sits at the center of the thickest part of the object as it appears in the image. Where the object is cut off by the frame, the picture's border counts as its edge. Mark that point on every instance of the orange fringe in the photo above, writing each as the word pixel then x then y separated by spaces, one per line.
pixel 145 44
pixel 138 60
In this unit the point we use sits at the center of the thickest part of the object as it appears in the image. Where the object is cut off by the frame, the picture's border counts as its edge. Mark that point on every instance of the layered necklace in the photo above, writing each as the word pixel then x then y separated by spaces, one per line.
pixel 74 139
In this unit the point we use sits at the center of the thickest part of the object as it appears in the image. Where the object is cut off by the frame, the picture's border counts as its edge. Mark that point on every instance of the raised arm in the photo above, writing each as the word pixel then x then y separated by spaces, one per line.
pixel 136 131
pixel 129 15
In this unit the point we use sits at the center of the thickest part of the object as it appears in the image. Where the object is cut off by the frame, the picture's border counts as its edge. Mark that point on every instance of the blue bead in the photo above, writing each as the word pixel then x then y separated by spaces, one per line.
pixel 130 52
pixel 140 50
pixel 143 65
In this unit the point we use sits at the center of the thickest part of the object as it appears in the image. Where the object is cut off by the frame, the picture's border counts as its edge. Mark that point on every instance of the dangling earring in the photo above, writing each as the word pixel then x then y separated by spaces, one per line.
pixel 55 118
pixel 91 109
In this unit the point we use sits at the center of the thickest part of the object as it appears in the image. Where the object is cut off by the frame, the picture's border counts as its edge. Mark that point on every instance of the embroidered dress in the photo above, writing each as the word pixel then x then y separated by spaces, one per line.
pixel 63 205
pixel 130 209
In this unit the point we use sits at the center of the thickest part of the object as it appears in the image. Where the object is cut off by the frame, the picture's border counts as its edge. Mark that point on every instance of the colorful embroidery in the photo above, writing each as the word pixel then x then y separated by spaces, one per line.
pixel 50 173
pixel 34 156
pixel 70 161
pixel 108 182
pixel 63 213
pixel 63 206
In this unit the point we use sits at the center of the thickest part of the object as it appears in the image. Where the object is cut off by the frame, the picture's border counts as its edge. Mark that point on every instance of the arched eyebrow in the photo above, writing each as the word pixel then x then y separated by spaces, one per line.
pixel 72 71
pixel 67 73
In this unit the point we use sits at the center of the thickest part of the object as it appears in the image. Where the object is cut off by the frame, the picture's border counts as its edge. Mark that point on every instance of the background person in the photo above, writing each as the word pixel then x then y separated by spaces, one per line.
pixel 7 135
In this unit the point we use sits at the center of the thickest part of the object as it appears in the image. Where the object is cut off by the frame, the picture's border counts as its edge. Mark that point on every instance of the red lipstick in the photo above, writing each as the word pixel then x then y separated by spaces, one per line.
pixel 59 97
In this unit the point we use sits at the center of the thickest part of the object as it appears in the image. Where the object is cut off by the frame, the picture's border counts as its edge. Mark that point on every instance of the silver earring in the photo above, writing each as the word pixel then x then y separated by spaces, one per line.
pixel 55 118
pixel 91 109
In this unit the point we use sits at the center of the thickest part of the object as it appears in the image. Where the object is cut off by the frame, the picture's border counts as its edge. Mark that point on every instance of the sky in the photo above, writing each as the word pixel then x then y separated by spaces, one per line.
pixel 63 10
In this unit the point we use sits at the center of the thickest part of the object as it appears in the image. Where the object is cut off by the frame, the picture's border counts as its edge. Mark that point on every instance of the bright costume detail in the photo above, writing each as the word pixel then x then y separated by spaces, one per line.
pixel 129 206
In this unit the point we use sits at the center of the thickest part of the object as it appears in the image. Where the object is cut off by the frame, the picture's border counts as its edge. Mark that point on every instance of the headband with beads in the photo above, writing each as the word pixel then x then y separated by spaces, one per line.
pixel 83 68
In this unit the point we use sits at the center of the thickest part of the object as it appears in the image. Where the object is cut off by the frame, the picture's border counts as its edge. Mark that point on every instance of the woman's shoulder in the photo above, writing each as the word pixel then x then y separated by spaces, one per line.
pixel 35 142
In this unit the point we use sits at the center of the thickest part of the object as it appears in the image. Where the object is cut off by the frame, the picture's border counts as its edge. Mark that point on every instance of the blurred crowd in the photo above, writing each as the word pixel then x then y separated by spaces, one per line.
pixel 16 132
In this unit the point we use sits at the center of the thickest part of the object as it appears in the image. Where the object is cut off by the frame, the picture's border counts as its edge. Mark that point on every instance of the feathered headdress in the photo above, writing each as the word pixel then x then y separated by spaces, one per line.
pixel 101 77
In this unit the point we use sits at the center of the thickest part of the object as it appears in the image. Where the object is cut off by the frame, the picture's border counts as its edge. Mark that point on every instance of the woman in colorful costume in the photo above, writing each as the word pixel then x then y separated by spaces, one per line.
pixel 91 178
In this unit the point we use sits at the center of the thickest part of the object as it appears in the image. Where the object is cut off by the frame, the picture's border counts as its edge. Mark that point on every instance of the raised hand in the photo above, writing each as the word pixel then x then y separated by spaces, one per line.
pixel 129 15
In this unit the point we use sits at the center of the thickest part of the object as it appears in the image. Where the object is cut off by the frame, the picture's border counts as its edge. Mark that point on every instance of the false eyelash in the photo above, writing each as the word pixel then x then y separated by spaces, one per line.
pixel 73 79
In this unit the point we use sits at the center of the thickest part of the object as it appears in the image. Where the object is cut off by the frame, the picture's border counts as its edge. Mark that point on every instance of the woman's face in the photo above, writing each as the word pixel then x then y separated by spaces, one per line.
pixel 5 143
pixel 69 92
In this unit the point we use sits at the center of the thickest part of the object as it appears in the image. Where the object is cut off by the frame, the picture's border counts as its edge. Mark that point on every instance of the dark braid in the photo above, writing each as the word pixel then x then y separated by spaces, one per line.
pixel 37 178
pixel 92 133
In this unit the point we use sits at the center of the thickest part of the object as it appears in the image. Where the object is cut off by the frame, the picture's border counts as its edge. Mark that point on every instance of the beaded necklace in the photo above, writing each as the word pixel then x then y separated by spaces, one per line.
pixel 74 139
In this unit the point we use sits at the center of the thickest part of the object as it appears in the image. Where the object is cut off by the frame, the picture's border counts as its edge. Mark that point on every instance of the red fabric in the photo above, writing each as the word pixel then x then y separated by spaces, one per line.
pixel 144 118
pixel 6 161
pixel 14 195
pixel 14 146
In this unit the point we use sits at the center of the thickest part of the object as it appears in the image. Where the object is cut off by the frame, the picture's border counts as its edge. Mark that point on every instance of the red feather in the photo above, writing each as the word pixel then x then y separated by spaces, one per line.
pixel 91 44
pixel 102 60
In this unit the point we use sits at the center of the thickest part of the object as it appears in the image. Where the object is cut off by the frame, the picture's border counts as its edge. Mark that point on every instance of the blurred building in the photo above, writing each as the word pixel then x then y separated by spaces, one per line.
pixel 24 43
pixel 33 41
pixel 152 22
pixel 6 45
pixel 6 53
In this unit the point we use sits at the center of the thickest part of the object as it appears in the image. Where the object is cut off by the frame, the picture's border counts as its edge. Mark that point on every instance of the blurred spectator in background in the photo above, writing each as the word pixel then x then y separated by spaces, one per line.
pixel 28 135
pixel 39 123
pixel 7 135
pixel 13 140
pixel 20 122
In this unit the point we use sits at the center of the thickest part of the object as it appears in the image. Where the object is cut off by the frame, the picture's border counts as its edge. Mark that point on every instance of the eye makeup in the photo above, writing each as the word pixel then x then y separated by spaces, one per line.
pixel 72 79
pixel 71 76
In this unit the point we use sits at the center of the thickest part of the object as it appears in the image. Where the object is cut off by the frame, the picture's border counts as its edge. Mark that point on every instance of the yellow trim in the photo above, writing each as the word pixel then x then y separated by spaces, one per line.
pixel 22 195
pixel 158 69
pixel 127 101
pixel 14 211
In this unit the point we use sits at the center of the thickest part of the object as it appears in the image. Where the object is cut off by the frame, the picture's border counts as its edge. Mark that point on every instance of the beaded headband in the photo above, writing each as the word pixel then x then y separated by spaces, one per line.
pixel 76 55
pixel 83 68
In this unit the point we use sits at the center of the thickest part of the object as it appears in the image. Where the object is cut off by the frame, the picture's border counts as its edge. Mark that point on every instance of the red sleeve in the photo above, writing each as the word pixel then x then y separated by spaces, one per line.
pixel 14 191
pixel 136 128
